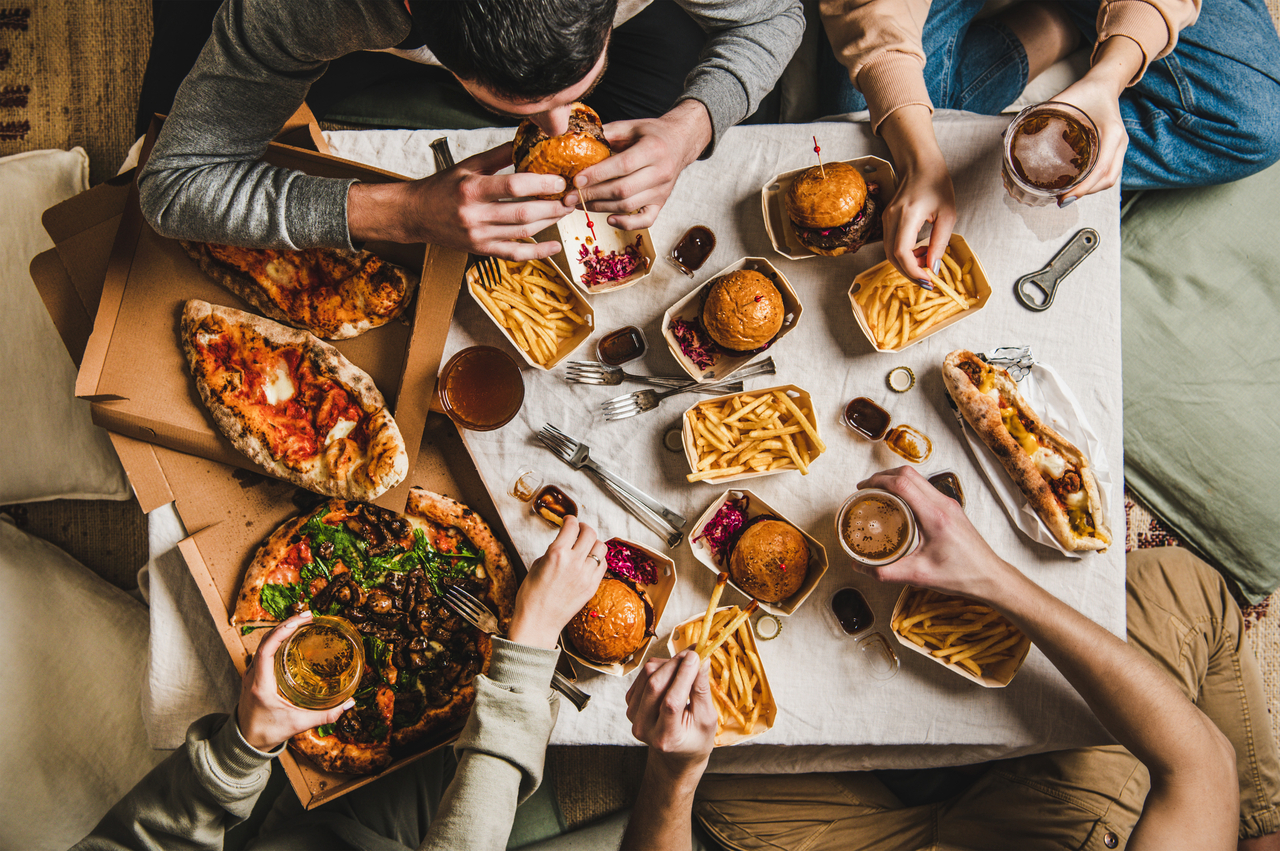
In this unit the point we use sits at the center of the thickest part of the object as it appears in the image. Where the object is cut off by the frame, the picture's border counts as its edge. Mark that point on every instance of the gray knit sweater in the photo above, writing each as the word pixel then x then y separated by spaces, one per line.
pixel 204 181
pixel 188 801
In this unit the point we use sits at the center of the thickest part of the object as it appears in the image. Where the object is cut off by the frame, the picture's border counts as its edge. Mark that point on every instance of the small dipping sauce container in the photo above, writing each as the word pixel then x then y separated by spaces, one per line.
pixel 320 665
pixel 853 615
pixel 618 347
pixel 480 388
pixel 525 484
pixel 867 418
pixel 553 505
pixel 693 249
pixel 948 484
pixel 909 442
pixel 876 527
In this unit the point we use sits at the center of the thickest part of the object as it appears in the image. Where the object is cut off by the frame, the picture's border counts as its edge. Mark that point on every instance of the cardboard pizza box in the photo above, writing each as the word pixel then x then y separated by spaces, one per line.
pixel 228 510
pixel 134 371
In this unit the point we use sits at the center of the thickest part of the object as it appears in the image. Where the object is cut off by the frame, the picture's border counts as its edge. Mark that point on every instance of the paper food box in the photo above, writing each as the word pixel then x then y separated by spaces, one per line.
pixel 963 256
pixel 777 223
pixel 768 715
pixel 996 675
pixel 689 434
pixel 134 371
pixel 659 593
pixel 689 308
pixel 583 248
pixel 756 506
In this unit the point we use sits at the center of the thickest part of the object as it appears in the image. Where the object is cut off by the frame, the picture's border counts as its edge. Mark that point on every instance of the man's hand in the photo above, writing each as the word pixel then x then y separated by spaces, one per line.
pixel 1098 95
pixel 467 207
pixel 558 585
pixel 924 194
pixel 266 719
pixel 649 155
pixel 670 709
pixel 952 556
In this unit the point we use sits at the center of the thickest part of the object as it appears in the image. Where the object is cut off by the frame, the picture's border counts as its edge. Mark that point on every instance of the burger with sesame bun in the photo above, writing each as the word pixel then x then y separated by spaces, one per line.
pixel 770 559
pixel 833 210
pixel 614 624
pixel 581 146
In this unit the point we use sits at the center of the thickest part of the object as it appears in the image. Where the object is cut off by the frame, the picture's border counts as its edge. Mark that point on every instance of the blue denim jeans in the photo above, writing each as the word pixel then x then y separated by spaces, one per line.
pixel 1207 113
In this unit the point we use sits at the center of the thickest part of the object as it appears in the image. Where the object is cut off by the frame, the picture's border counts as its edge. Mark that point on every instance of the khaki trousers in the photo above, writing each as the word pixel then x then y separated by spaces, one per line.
pixel 1179 613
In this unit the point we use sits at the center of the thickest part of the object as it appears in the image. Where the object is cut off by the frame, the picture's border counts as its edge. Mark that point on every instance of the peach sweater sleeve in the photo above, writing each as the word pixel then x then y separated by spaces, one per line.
pixel 879 42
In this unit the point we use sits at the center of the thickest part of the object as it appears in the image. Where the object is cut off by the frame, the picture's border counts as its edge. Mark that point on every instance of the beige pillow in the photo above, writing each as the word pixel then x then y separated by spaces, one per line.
pixel 73 741
pixel 50 447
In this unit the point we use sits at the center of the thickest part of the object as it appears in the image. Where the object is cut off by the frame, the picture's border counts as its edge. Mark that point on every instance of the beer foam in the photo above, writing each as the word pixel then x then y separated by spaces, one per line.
pixel 874 527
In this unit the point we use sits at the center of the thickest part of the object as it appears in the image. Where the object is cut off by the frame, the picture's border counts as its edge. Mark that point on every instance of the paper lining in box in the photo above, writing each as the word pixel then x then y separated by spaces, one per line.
pixel 659 592
pixel 690 306
pixel 579 304
pixel 962 254
pixel 755 507
pixel 1002 673
pixel 803 401
pixel 768 714
pixel 773 195
pixel 573 235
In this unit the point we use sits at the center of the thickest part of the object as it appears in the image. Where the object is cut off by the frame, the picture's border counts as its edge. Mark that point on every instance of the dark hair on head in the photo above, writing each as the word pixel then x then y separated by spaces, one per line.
pixel 524 50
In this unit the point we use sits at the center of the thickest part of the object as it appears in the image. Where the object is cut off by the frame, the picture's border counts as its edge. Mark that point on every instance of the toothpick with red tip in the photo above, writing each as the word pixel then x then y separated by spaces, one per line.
pixel 818 151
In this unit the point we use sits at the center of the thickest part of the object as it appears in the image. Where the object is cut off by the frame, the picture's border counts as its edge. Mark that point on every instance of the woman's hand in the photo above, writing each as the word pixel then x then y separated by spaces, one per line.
pixel 924 194
pixel 558 585
pixel 266 719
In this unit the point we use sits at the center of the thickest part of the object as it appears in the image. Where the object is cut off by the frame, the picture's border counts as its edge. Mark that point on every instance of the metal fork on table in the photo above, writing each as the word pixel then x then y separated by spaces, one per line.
pixel 646 400
pixel 478 615
pixel 578 456
pixel 591 372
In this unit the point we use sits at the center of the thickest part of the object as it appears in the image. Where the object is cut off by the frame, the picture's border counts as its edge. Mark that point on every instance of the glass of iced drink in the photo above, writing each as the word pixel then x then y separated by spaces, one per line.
pixel 1049 149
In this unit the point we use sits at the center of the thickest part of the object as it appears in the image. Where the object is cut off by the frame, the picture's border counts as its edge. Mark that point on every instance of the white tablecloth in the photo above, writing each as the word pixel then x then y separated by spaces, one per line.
pixel 823 701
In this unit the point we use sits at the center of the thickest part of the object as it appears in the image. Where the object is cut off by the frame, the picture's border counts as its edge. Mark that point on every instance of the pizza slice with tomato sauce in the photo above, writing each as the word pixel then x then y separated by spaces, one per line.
pixel 1053 474
pixel 292 403
pixel 386 573
pixel 332 293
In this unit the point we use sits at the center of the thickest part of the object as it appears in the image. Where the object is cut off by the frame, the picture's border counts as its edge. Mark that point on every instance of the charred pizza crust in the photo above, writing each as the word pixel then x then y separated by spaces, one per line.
pixel 333 293
pixel 292 403
pixel 1054 476
pixel 386 572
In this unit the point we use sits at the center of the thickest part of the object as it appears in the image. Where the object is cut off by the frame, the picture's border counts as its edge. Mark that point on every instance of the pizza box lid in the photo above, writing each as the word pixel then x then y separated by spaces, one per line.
pixel 769 709
pixel 134 371
pixel 998 675
pixel 802 399
pixel 755 507
pixel 773 195
pixel 963 255
pixel 573 234
pixel 690 306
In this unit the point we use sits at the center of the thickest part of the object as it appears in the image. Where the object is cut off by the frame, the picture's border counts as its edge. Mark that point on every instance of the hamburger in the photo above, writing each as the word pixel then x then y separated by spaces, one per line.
pixel 615 623
pixel 743 311
pixel 833 214
pixel 769 560
pixel 581 146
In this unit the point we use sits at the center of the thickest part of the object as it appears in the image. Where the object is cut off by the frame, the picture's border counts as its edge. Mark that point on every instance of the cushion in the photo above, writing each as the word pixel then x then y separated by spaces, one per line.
pixel 56 452
pixel 1201 327
pixel 74 742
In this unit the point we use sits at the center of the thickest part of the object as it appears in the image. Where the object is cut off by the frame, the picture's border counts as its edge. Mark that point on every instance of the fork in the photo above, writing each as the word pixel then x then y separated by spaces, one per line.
pixel 478 615
pixel 489 273
pixel 632 404
pixel 577 455
pixel 591 372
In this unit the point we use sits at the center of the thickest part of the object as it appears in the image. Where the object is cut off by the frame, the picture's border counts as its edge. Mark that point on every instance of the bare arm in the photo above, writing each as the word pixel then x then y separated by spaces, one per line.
pixel 1193 802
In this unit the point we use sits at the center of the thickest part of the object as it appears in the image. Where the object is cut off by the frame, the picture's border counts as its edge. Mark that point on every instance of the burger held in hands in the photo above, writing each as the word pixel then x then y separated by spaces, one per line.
pixel 580 147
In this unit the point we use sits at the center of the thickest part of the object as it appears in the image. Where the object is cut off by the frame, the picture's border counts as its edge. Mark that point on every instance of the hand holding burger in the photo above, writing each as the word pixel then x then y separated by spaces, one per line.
pixel 581 146
pixel 558 585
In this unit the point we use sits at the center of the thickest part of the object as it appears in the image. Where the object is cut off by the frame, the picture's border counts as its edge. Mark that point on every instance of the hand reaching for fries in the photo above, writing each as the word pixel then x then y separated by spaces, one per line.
pixel 897 310
pixel 671 710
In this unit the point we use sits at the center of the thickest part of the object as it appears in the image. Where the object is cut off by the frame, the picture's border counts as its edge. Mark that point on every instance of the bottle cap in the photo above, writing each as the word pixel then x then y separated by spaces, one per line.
pixel 901 379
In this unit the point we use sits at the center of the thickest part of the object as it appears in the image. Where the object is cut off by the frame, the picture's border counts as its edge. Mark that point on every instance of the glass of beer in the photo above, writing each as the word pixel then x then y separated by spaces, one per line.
pixel 320 665
pixel 876 527
pixel 480 388
pixel 1049 149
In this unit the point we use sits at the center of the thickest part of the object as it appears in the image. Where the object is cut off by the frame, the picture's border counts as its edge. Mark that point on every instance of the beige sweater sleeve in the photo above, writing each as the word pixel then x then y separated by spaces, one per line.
pixel 879 41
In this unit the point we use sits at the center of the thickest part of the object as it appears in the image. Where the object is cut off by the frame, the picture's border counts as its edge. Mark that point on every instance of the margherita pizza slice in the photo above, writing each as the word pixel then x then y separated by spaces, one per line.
pixel 1053 474
pixel 332 293
pixel 386 573
pixel 293 404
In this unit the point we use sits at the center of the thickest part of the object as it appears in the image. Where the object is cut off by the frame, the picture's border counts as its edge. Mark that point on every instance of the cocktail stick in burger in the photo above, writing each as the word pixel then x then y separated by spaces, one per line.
pixel 581 146
pixel 833 210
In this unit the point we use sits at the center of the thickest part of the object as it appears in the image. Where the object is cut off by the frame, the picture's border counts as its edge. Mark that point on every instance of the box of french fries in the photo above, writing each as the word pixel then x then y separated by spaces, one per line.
pixel 962 635
pixel 754 433
pixel 589 254
pixel 536 308
pixel 689 308
pixel 773 203
pixel 896 313
pixel 706 553
pixel 745 706
pixel 659 593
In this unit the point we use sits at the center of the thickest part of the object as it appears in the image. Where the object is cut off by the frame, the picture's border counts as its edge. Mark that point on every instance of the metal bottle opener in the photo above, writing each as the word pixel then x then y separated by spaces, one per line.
pixel 1036 290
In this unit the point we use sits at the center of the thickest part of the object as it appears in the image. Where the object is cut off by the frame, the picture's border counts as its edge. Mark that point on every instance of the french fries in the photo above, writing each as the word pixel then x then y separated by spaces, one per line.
pixel 899 311
pixel 531 301
pixel 754 432
pixel 738 687
pixel 956 631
